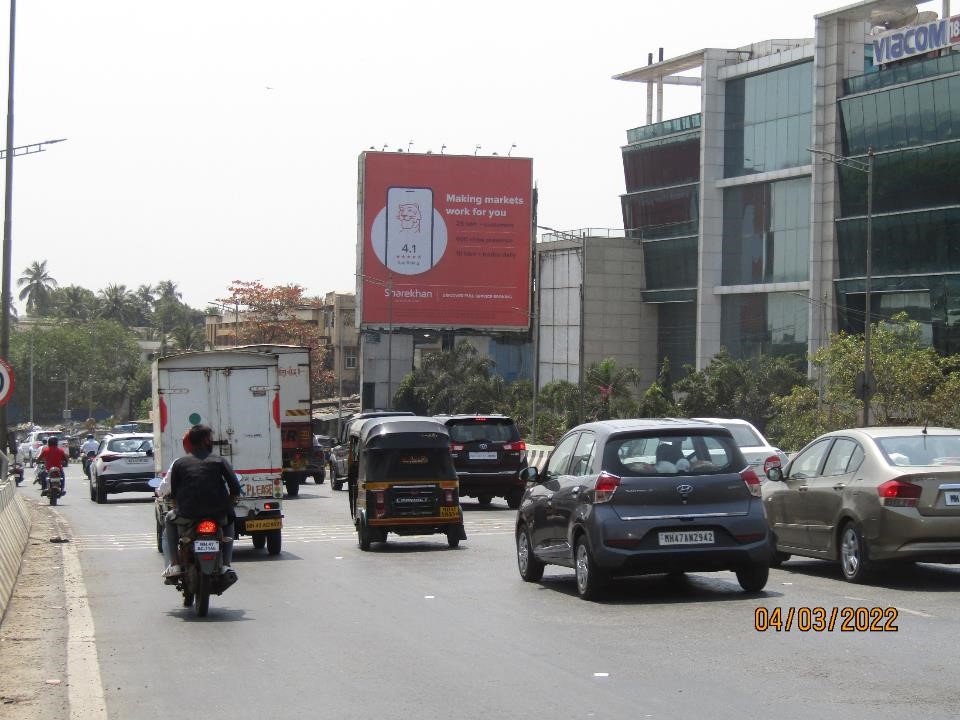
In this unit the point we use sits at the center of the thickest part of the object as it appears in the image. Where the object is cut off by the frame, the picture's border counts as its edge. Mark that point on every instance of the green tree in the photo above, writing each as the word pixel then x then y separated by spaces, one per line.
pixel 74 302
pixel 914 385
pixel 188 337
pixel 37 285
pixel 100 358
pixel 118 304
pixel 608 390
pixel 453 381
pixel 743 389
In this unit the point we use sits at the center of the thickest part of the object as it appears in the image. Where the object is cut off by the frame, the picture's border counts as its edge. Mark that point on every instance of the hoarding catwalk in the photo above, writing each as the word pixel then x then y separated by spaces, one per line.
pixel 445 241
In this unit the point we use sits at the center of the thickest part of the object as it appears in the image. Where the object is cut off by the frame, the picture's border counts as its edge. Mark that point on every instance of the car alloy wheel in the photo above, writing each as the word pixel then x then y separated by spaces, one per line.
pixel 530 568
pixel 590 579
pixel 853 554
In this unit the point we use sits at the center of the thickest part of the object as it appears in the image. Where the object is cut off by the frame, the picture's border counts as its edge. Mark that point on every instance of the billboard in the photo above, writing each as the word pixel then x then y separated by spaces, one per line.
pixel 445 241
pixel 905 42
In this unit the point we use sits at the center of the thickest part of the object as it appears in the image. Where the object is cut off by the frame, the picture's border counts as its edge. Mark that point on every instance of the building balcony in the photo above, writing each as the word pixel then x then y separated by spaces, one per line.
pixel 660 129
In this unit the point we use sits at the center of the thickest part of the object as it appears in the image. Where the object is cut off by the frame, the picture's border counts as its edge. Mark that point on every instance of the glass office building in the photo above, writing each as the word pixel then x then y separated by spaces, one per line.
pixel 750 244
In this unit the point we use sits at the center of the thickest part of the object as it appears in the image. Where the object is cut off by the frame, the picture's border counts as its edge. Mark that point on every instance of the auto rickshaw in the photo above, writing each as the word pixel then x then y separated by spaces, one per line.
pixel 402 480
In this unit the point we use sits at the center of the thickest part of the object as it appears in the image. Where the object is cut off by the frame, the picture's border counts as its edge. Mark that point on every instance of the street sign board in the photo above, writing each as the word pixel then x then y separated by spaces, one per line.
pixel 7 382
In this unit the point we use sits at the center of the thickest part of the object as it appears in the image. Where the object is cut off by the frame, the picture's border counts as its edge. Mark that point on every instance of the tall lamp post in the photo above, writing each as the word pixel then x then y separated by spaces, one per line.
pixel 865 384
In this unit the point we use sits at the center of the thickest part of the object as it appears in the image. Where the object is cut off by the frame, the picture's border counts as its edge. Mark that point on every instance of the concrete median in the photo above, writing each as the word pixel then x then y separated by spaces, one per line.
pixel 14 530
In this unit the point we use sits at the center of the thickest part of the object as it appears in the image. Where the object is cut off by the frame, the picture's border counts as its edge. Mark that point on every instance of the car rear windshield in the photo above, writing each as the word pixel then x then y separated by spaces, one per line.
pixel 674 454
pixel 483 430
pixel 126 445
pixel 743 435
pixel 921 449
pixel 415 464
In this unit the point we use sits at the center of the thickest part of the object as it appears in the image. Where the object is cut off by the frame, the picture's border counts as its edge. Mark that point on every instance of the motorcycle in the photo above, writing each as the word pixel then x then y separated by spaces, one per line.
pixel 53 486
pixel 87 461
pixel 201 557
pixel 15 471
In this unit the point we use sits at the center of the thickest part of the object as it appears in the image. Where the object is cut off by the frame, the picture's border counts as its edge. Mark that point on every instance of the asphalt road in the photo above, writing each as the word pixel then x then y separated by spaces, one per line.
pixel 415 630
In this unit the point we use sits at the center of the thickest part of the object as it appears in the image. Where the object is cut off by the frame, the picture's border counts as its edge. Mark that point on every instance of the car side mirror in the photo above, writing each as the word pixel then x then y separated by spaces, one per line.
pixel 530 474
pixel 775 473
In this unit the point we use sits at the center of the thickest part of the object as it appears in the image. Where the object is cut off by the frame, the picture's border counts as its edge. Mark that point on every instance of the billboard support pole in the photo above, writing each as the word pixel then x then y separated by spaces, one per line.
pixel 390 343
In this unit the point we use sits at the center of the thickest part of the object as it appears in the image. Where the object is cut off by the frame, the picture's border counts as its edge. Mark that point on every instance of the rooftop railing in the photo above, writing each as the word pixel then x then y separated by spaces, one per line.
pixel 667 127
pixel 903 73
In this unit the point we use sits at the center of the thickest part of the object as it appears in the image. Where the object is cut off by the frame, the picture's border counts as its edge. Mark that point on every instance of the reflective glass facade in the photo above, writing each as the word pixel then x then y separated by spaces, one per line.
pixel 764 324
pixel 670 263
pixel 906 116
pixel 914 129
pixel 766 232
pixel 658 164
pixel 768 120
pixel 677 335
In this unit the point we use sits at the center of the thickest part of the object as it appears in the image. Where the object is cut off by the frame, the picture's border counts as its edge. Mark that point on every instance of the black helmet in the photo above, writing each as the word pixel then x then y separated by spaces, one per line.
pixel 52 441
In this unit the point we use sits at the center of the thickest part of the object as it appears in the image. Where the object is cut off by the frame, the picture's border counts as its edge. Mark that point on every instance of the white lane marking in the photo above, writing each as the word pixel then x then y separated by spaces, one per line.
pixel 85 687
pixel 601 675
pixel 429 597
pixel 858 599
pixel 913 612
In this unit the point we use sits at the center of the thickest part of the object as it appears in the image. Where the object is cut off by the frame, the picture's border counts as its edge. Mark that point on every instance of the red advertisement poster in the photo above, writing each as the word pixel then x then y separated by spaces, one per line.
pixel 445 241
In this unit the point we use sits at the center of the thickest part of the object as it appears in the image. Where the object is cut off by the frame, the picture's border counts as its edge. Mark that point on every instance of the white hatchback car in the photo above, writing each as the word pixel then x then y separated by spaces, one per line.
pixel 754 446
pixel 124 463
pixel 29 449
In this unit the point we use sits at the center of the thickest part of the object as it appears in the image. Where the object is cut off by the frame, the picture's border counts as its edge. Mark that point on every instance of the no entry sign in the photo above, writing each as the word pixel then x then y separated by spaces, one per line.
pixel 6 381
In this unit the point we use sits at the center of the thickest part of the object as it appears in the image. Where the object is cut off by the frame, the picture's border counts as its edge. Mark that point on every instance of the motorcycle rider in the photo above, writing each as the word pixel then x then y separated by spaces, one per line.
pixel 201 485
pixel 89 446
pixel 52 457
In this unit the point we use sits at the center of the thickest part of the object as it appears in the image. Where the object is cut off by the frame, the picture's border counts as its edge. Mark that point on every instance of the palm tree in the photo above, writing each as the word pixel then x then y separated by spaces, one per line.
pixel 167 289
pixel 188 337
pixel 611 386
pixel 37 285
pixel 74 302
pixel 144 298
pixel 117 303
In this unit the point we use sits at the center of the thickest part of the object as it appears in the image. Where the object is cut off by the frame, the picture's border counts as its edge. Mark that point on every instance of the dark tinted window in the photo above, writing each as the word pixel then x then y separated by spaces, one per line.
pixel 483 430
pixel 673 454
pixel 419 464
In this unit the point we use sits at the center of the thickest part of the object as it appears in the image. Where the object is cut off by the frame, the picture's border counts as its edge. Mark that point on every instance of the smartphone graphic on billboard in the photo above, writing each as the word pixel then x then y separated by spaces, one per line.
pixel 409 233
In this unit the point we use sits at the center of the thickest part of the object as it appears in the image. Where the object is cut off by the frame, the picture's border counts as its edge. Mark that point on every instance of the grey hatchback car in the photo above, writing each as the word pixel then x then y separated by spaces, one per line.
pixel 629 497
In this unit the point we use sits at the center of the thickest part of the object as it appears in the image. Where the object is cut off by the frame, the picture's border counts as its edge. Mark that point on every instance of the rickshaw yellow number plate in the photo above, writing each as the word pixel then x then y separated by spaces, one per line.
pixel 265 524
pixel 449 512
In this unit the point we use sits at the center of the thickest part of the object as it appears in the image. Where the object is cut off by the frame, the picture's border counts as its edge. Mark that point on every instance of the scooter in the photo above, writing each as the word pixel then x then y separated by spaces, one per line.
pixel 53 489
pixel 201 557
pixel 16 472
pixel 40 475
pixel 87 461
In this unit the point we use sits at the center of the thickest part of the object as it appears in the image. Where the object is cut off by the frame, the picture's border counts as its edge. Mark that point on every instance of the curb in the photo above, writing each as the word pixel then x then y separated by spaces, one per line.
pixel 14 531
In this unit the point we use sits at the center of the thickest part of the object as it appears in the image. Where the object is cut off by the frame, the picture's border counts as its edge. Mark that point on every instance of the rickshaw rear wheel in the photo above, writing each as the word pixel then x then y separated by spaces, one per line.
pixel 363 535
pixel 453 537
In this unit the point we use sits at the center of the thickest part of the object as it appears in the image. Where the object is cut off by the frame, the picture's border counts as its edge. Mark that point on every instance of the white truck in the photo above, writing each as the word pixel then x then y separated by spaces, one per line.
pixel 301 459
pixel 237 394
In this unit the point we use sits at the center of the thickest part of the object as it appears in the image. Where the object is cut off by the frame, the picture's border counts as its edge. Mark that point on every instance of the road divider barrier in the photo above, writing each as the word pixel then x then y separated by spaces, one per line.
pixel 537 455
pixel 14 531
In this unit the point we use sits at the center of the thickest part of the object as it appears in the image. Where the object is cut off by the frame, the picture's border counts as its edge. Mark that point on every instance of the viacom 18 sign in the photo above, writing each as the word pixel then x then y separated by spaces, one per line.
pixel 445 241
pixel 915 40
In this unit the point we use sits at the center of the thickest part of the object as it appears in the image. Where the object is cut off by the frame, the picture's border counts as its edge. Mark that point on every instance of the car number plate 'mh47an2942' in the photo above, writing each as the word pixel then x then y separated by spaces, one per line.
pixel 687 537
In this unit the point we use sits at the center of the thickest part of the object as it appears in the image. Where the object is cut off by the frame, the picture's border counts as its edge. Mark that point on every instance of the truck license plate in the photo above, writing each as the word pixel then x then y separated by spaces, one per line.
pixel 264 524
pixel 449 512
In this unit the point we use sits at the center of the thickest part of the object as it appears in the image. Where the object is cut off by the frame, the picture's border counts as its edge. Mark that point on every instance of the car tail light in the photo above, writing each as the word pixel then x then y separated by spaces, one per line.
pixel 897 493
pixel 109 458
pixel 607 485
pixel 519 445
pixel 206 527
pixel 751 480
pixel 381 508
pixel 771 462
pixel 456 448
pixel 271 506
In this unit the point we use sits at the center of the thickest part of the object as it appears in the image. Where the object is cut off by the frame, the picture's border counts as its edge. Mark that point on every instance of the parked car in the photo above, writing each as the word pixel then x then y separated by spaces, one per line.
pixel 31 447
pixel 628 497
pixel 124 463
pixel 488 454
pixel 755 447
pixel 338 453
pixel 865 496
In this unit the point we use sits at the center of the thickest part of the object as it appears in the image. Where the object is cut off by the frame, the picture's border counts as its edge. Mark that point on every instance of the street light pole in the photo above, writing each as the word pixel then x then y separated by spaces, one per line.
pixel 866 385
pixel 7 226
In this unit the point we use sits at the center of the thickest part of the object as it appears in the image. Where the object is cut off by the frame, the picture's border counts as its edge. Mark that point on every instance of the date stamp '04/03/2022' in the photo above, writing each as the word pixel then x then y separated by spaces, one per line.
pixel 821 619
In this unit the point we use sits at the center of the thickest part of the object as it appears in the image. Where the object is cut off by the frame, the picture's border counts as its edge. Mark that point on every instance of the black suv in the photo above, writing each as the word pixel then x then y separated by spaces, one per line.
pixel 488 454
pixel 627 497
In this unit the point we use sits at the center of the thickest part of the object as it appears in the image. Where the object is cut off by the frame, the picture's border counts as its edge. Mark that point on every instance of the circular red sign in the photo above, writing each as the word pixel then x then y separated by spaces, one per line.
pixel 7 382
